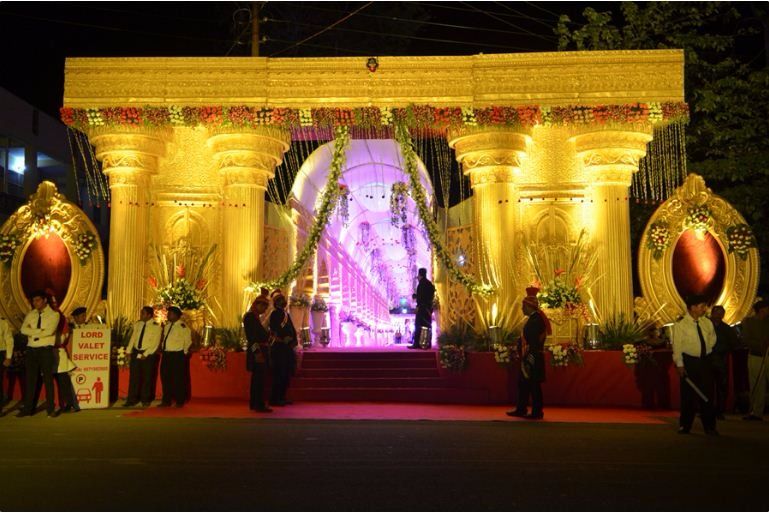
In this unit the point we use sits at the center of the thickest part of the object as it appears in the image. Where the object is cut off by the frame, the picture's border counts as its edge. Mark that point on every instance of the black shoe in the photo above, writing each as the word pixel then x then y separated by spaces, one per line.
pixel 277 403
pixel 53 414
pixel 720 416
pixel 179 405
pixel 75 409
pixel 535 416
pixel 287 401
pixel 164 405
pixel 752 417
pixel 129 404
pixel 23 414
pixel 683 431
pixel 146 405
pixel 412 347
pixel 262 409
pixel 711 432
pixel 516 413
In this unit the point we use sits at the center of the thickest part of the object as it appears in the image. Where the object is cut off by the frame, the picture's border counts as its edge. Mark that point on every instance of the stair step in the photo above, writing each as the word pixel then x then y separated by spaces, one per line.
pixel 369 355
pixel 380 363
pixel 440 395
pixel 398 372
pixel 370 382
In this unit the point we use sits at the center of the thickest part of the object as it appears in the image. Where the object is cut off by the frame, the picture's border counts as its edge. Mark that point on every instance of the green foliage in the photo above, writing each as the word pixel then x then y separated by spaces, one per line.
pixel 228 338
pixel 618 330
pixel 121 331
pixel 727 89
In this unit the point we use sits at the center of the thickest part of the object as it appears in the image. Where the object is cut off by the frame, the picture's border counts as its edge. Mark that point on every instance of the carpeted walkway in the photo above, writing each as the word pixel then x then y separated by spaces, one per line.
pixel 235 409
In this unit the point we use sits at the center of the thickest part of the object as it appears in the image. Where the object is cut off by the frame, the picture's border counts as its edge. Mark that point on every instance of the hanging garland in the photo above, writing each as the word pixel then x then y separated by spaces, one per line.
pixel 418 194
pixel 398 212
pixel 328 203
pixel 438 119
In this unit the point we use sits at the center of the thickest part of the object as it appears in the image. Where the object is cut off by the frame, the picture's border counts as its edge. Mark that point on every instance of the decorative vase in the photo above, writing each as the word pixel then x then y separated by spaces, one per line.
pixel 317 318
pixel 325 336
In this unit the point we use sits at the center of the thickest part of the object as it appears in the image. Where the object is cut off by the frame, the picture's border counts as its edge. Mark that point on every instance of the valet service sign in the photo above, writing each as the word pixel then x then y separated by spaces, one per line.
pixel 91 354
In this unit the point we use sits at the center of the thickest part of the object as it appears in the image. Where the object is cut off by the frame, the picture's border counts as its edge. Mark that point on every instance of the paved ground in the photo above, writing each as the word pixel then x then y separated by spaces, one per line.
pixel 100 460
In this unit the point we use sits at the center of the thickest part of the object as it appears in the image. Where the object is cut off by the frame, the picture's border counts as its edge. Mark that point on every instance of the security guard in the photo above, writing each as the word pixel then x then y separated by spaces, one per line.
pixel 142 350
pixel 175 344
pixel 40 327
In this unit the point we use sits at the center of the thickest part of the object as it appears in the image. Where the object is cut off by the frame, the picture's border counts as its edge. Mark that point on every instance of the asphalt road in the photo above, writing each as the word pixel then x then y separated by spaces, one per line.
pixel 100 461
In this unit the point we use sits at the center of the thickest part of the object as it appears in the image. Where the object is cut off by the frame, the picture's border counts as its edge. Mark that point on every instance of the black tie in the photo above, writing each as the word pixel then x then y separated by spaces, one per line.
pixel 166 337
pixel 141 337
pixel 703 349
pixel 39 320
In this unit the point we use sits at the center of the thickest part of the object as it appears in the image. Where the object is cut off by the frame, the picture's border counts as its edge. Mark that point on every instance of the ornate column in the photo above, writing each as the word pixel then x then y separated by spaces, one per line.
pixel 129 158
pixel 492 158
pixel 246 161
pixel 610 157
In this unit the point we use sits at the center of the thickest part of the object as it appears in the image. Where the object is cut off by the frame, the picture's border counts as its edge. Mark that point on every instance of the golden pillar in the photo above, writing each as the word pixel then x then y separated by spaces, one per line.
pixel 492 159
pixel 129 158
pixel 609 158
pixel 246 161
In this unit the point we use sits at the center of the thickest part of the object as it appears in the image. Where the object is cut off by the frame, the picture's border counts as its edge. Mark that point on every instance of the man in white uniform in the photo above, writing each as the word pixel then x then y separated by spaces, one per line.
pixel 143 351
pixel 175 344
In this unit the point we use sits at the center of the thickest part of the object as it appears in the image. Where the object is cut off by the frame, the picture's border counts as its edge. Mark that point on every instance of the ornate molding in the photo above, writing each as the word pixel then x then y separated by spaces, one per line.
pixel 610 157
pixel 248 157
pixel 128 153
pixel 491 155
pixel 656 274
pixel 48 211
pixel 548 78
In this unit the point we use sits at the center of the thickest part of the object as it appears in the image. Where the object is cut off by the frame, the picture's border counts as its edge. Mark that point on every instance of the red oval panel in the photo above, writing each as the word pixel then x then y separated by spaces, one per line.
pixel 46 265
pixel 699 266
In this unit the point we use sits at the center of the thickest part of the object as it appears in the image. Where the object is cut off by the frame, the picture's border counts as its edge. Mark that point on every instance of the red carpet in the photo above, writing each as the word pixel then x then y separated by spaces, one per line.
pixel 234 409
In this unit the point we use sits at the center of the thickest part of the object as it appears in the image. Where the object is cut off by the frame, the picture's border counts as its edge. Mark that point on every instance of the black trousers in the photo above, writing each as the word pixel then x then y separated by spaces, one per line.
pixel 2 379
pixel 423 318
pixel 281 357
pixel 256 398
pixel 37 361
pixel 699 370
pixel 720 367
pixel 172 374
pixel 67 396
pixel 529 388
pixel 140 376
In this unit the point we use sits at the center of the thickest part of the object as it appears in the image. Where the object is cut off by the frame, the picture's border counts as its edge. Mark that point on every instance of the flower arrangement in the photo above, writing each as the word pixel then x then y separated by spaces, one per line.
pixel 398 212
pixel 630 354
pixel 120 357
pixel 301 301
pixel 741 240
pixel 698 218
pixel 418 194
pixel 557 293
pixel 344 203
pixel 411 116
pixel 8 244
pixel 637 354
pixel 323 214
pixel 319 305
pixel 503 354
pixel 658 239
pixel 452 357
pixel 179 276
pixel 215 358
pixel 84 246
pixel 563 355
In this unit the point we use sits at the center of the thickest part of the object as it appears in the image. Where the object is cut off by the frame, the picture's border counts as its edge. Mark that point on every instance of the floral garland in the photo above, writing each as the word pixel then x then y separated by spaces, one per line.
pixel 563 355
pixel 85 243
pixel 418 117
pixel 408 239
pixel 418 194
pixel 741 240
pixel 365 234
pixel 698 219
pixel 215 358
pixel 326 208
pixel 398 212
pixel 658 239
pixel 344 204
pixel 8 245
pixel 452 357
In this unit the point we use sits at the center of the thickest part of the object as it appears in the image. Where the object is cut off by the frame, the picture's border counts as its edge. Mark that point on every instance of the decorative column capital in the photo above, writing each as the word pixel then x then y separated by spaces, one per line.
pixel 248 156
pixel 490 155
pixel 129 155
pixel 610 157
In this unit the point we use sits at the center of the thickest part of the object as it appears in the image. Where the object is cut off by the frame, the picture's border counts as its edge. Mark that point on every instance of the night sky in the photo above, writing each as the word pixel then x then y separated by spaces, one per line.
pixel 37 37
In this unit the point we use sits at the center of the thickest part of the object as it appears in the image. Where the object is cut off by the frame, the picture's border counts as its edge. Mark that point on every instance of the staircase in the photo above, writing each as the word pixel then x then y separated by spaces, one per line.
pixel 387 376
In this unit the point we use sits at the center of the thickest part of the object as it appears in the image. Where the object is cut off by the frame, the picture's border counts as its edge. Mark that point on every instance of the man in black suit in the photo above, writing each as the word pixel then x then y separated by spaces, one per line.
pixel 282 350
pixel 424 296
pixel 256 355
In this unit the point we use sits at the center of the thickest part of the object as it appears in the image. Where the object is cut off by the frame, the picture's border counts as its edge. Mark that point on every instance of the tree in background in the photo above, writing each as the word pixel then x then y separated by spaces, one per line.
pixel 726 47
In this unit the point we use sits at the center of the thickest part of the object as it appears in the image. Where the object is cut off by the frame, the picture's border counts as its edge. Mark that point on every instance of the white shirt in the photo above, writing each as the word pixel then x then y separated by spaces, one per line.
pixel 6 338
pixel 178 337
pixel 687 341
pixel 152 336
pixel 46 334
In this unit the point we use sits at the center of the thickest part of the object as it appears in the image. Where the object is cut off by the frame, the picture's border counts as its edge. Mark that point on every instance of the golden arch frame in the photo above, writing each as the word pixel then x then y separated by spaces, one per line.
pixel 656 271
pixel 68 221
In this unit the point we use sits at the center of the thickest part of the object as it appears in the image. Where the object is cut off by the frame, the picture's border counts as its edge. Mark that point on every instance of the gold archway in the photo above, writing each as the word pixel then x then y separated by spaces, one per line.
pixel 48 212
pixel 693 206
